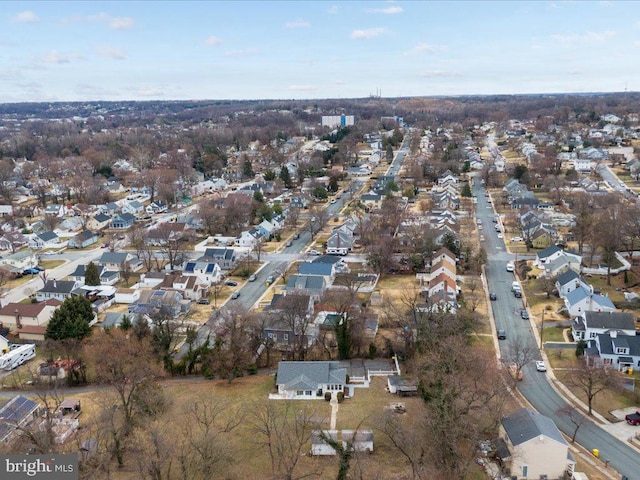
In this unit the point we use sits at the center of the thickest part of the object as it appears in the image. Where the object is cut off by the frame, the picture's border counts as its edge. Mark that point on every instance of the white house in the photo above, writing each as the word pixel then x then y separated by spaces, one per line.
pixel 568 281
pixel 583 300
pixel 207 273
pixel 591 324
pixel 310 380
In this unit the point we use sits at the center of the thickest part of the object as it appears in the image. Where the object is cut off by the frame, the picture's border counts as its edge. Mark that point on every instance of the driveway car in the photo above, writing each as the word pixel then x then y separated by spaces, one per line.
pixel 516 239
pixel 502 334
pixel 231 283
pixel 204 301
pixel 314 252
pixel 493 296
pixel 540 366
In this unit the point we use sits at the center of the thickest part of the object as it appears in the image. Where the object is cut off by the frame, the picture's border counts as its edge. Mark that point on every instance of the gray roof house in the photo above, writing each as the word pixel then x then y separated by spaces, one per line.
pixel 591 324
pixel 620 351
pixel 58 289
pixel 583 300
pixel 326 270
pixel 115 260
pixel 568 281
pixel 309 380
pixel 312 285
pixel 536 446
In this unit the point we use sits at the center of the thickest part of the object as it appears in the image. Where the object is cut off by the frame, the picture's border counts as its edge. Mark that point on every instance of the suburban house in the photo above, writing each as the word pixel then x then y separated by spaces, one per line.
pixel 224 257
pixel 536 448
pixel 371 200
pixel 568 281
pixel 16 316
pixel 164 233
pixel 127 295
pixel 188 286
pixel 446 255
pixel 583 300
pixel 107 277
pixel 122 221
pixel 312 285
pixel 249 238
pixel 326 270
pixel 44 240
pixel 266 229
pixel 13 241
pixel 282 327
pixel 548 255
pixel 562 263
pixel 83 239
pixel 116 261
pixel 442 283
pixel 621 351
pixel 590 324
pixel 134 208
pixel 58 289
pixel 310 380
pixel 168 301
pixel 339 243
pixel 19 262
pixel 207 273
pixel 99 221
pixel 156 207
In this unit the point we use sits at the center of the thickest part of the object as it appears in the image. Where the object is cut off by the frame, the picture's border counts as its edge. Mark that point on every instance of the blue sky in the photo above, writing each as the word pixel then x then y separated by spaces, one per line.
pixel 68 51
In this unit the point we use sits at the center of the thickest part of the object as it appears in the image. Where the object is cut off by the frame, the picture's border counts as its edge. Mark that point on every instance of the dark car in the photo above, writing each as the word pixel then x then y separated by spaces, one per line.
pixel 235 295
pixel 502 334
pixel 296 236
pixel 517 294
pixel 204 301
pixel 493 296
pixel 231 283
pixel 524 314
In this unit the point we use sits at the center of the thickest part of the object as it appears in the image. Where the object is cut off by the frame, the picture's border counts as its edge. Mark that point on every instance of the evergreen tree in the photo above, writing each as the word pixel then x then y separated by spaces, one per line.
pixel 126 324
pixel 71 320
pixel 91 275
pixel 247 169
pixel 285 176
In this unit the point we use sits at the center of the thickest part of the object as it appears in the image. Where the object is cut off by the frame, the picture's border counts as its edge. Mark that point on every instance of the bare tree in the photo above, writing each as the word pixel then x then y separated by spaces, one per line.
pixel 575 417
pixel 592 379
pixel 521 351
pixel 284 430
pixel 291 312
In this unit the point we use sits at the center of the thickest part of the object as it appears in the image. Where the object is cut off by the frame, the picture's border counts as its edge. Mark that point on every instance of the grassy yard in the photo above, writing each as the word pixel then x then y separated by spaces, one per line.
pixel 553 334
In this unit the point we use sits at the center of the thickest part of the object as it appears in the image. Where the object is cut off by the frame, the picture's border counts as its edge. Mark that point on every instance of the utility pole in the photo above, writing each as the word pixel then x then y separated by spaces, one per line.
pixel 542 330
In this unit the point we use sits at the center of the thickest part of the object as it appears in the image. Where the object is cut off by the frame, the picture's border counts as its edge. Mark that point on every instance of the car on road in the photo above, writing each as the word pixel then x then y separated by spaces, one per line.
pixel 502 334
pixel 231 283
pixel 50 252
pixel 500 235
pixel 493 296
pixel 516 239
pixel 510 268
pixel 296 236
pixel 235 295
pixel 524 314
pixel 269 280
pixel 288 244
pixel 540 366
pixel 333 200
pixel 253 278
pixel 517 293
pixel 314 252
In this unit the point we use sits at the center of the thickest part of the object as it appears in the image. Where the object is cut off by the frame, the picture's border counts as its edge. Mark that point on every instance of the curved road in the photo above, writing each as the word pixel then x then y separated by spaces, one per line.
pixel 535 386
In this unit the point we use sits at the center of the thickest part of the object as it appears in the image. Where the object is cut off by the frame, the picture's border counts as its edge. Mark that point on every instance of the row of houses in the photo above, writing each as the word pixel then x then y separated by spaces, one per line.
pixel 439 286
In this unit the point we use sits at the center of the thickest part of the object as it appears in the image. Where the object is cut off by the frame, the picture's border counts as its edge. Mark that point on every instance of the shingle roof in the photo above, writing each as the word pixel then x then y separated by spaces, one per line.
pixel 310 268
pixel 308 375
pixel 547 252
pixel 524 425
pixel 567 277
pixel 610 320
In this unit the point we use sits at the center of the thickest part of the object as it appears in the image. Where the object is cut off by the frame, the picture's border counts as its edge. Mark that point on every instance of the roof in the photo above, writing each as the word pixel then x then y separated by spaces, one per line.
pixel 568 276
pixel 310 282
pixel 15 412
pixel 547 252
pixel 58 286
pixel 331 259
pixel 113 257
pixel 309 375
pixel 524 425
pixel 310 268
pixel 46 236
pixel 27 309
pixel 610 320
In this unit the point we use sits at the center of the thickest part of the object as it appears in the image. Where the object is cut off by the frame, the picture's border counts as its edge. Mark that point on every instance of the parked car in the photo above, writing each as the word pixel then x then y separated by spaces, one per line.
pixel 493 296
pixel 204 301
pixel 502 334
pixel 540 366
pixel 314 252
pixel 231 283
pixel 288 244
pixel 253 278
pixel 517 293
pixel 270 280
pixel 516 239
pixel 524 314
pixel 31 271
pixel 296 236
pixel 235 295
pixel 633 418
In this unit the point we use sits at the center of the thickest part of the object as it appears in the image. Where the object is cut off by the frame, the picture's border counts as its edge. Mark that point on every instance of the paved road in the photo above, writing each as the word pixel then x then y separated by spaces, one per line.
pixel 535 385
pixel 612 179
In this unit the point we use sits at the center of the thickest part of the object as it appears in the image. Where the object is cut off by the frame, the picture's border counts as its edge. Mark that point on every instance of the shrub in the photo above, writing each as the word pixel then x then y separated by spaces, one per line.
pixel 327 396
pixel 348 379
pixel 340 397
pixel 252 369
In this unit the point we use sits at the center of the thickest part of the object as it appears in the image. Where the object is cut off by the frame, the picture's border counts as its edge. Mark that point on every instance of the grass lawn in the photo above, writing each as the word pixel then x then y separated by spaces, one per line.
pixel 49 264
pixel 553 334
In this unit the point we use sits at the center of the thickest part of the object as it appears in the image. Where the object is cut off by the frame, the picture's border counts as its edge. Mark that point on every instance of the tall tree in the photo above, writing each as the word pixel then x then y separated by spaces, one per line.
pixel 91 275
pixel 285 176
pixel 71 320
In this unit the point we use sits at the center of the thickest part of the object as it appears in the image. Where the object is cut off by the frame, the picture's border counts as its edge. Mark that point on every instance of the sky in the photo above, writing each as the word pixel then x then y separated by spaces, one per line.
pixel 243 50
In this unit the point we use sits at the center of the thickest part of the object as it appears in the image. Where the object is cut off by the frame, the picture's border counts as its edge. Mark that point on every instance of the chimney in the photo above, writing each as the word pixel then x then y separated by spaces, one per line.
pixel 613 334
pixel 18 322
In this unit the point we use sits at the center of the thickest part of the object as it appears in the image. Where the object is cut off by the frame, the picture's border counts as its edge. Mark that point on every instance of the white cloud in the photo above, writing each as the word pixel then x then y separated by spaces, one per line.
pixel 26 17
pixel 109 52
pixel 368 33
pixel 115 23
pixel 213 40
pixel 241 53
pixel 579 38
pixel 56 57
pixel 297 24
pixel 387 11
pixel 303 88
pixel 424 48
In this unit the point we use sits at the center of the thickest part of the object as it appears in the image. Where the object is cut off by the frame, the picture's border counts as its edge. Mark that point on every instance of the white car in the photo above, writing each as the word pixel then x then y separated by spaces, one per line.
pixel 500 235
pixel 516 239
pixel 540 366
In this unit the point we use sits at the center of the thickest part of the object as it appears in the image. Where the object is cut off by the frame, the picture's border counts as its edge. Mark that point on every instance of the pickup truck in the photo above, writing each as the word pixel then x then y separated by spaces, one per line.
pixel 633 418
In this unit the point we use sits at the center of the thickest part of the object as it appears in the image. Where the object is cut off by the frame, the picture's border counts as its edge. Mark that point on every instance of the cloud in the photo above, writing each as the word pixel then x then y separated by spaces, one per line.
pixel 242 53
pixel 303 88
pixel 424 48
pixel 57 58
pixel 297 24
pixel 368 33
pixel 213 40
pixel 109 52
pixel 26 17
pixel 387 11
pixel 440 73
pixel 115 23
pixel 580 38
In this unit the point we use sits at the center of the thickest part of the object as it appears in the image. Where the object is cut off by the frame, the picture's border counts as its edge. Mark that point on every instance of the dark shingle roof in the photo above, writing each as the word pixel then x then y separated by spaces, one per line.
pixel 308 375
pixel 610 320
pixel 524 425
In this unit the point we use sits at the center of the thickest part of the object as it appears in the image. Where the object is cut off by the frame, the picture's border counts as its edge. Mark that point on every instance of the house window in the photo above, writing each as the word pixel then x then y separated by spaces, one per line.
pixel 299 392
pixel 525 471
pixel 271 336
pixel 607 361
pixel 286 337
pixel 592 335
pixel 621 350
pixel 308 393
